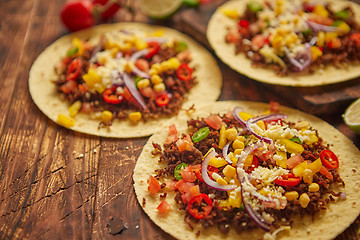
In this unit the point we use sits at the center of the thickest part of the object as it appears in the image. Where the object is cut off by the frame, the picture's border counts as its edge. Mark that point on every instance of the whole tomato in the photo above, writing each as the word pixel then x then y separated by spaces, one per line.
pixel 77 15
pixel 107 8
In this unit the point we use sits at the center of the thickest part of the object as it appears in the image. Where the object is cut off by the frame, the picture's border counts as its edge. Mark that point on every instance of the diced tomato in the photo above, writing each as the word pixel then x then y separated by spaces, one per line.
pixel 82 88
pixel 214 121
pixel 147 92
pixel 184 186
pixel 274 107
pixel 264 156
pixel 200 206
pixel 294 161
pixel 183 145
pixel 86 107
pixel 355 38
pixel 142 64
pixel 211 170
pixel 154 185
pixel 195 190
pixel 232 37
pixel 258 41
pixel 243 23
pixel 172 130
pixel 197 170
pixel 326 173
pixel 127 95
pixel 186 197
pixel 188 174
pixel 69 86
pixel 170 184
pixel 164 207
pixel 288 180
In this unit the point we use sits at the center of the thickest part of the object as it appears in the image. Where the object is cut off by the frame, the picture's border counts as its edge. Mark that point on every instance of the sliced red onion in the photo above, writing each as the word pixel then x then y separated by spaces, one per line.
pixel 263 118
pixel 319 27
pixel 342 196
pixel 236 112
pixel 302 60
pixel 207 179
pixel 116 78
pixel 133 59
pixel 129 83
pixel 155 39
pixel 225 152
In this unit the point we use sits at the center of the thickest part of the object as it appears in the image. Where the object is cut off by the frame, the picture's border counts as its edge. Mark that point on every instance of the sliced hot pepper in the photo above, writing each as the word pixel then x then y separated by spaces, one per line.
pixel 154 48
pixel 162 100
pixel 244 23
pixel 329 159
pixel 200 206
pixel 184 72
pixel 201 134
pixel 110 96
pixel 288 180
pixel 74 69
pixel 178 169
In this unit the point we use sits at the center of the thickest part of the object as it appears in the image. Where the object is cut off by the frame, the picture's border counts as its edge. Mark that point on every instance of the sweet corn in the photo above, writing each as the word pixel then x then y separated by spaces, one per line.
pixel 308 176
pixel 277 42
pixel 231 134
pixel 237 144
pixel 238 151
pixel 291 195
pixel 140 44
pixel 320 39
pixel 159 87
pixel 304 200
pixel 143 83
pixel 129 66
pixel 135 116
pixel 165 66
pixel 75 108
pixel 222 137
pixel 316 52
pixel 174 63
pixel 320 10
pixel 314 187
pixel 241 138
pixel 156 79
pixel 65 121
pixel 248 161
pixel 91 78
pixel 245 116
pixel 156 67
pixel 106 116
pixel 229 171
pixel 230 13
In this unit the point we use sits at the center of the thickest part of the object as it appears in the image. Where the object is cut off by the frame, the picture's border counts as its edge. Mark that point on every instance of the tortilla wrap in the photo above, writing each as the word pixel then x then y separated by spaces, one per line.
pixel 326 225
pixel 217 30
pixel 45 96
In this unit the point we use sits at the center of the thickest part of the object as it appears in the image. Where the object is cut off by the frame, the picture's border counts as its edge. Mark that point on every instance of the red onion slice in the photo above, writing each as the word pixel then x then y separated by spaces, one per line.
pixel 302 59
pixel 207 179
pixel 269 117
pixel 225 152
pixel 319 27
pixel 133 59
pixel 235 113
pixel 129 83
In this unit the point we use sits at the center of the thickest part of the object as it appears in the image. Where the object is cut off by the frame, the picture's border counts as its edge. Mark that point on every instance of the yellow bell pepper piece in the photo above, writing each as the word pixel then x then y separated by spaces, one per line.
pixel 320 10
pixel 222 137
pixel 65 121
pixel 281 162
pixel 316 52
pixel 74 108
pixel 245 116
pixel 91 78
pixel 229 171
pixel 77 43
pixel 217 162
pixel 230 13
pixel 298 171
pixel 291 146
pixel 315 166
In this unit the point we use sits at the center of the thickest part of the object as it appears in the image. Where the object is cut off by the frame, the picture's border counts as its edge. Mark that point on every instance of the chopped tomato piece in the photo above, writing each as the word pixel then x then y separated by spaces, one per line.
pixel 173 130
pixel 244 23
pixel 154 185
pixel 188 174
pixel 110 96
pixel 294 161
pixel 258 41
pixel 183 145
pixel 197 170
pixel 288 180
pixel 142 64
pixel 200 206
pixel 274 107
pixel 69 86
pixel 232 37
pixel 355 38
pixel 164 207
pixel 195 190
pixel 329 159
pixel 214 121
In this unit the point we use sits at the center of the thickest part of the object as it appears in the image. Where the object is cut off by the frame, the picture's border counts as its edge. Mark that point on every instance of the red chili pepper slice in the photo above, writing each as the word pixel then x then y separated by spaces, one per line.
pixel 162 100
pixel 200 206
pixel 184 72
pixel 288 180
pixel 244 23
pixel 77 15
pixel 154 48
pixel 110 96
pixel 74 70
pixel 329 159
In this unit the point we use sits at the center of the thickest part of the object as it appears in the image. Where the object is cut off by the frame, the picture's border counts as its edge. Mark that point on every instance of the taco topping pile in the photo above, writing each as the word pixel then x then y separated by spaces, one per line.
pixel 242 171
pixel 291 36
pixel 125 75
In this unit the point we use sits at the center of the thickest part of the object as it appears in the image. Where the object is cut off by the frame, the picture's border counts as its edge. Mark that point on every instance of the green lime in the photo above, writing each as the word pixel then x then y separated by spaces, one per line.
pixel 352 116
pixel 160 9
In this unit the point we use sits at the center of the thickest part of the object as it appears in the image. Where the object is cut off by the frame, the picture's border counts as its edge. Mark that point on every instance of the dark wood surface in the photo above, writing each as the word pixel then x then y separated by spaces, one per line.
pixel 47 190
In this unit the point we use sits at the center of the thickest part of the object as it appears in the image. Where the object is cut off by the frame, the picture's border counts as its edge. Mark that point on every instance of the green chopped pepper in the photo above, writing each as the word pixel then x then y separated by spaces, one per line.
pixel 180 46
pixel 201 134
pixel 254 7
pixel 343 14
pixel 295 140
pixel 178 169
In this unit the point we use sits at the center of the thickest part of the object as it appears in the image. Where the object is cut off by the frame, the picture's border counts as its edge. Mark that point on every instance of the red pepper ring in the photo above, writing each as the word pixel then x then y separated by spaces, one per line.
pixel 288 180
pixel 110 96
pixel 162 100
pixel 74 70
pixel 329 159
pixel 203 203
pixel 153 48
pixel 184 72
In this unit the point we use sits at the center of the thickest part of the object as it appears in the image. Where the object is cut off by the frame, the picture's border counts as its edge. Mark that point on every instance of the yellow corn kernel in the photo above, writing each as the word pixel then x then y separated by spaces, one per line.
pixel 261 125
pixel 235 200
pixel 156 67
pixel 241 138
pixel 290 39
pixel 320 10
pixel 159 87
pixel 230 13
pixel 140 44
pixel 232 157
pixel 304 200
pixel 277 42
pixel 245 116
pixel 314 187
pixel 156 79
pixel 320 39
pixel 91 78
pixel 291 195
pixel 248 161
pixel 229 171
pixel 65 121
pixel 106 116
pixel 217 162
pixel 129 66
pixel 308 176
pixel 231 134
pixel 238 151
pixel 174 63
pixel 222 137
pixel 316 52
pixel 291 146
pixel 313 139
pixel 135 116
pixel 329 36
pixel 237 144
pixel 165 66
pixel 315 166
pixel 143 83
pixel 344 28
pixel 77 43
pixel 74 108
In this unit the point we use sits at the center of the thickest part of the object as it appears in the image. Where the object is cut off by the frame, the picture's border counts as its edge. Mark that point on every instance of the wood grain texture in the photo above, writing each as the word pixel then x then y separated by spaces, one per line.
pixel 58 184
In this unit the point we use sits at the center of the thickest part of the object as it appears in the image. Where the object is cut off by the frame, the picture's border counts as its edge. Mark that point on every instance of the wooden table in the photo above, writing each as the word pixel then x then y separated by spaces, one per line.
pixel 59 184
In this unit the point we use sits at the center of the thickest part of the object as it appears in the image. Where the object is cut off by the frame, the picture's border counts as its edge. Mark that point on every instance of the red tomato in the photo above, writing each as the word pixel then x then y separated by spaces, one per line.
pixel 164 207
pixel 200 206
pixel 243 23
pixel 110 8
pixel 147 92
pixel 355 38
pixel 294 161
pixel 77 15
pixel 214 121
pixel 188 174
pixel 170 184
pixel 287 180
pixel 86 107
pixel 69 86
pixel 195 190
pixel 154 185
pixel 329 159
pixel 258 41
pixel 184 186
pixel 142 64
pixel 274 107
pixel 186 197
pixel 232 37
pixel 173 130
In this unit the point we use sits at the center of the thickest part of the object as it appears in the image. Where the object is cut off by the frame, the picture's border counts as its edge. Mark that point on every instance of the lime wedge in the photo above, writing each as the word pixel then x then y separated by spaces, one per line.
pixel 160 9
pixel 352 116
